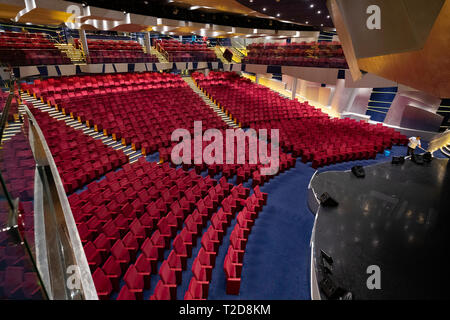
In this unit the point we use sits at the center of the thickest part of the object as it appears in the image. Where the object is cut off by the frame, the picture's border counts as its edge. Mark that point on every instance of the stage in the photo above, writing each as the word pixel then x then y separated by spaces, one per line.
pixel 397 218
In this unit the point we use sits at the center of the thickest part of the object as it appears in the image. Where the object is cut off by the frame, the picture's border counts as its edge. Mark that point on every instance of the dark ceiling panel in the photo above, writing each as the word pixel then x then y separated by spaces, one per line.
pixel 172 10
pixel 310 12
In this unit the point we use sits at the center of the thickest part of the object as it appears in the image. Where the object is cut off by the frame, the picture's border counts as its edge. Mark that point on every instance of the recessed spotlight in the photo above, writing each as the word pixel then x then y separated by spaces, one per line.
pixel 319 12
pixel 278 14
pixel 328 17
pixel 251 1
pixel 264 9
pixel 307 22
pixel 311 6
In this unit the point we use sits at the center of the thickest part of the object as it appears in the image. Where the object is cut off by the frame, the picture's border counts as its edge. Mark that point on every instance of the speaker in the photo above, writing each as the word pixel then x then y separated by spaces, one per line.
pixel 398 160
pixel 427 157
pixel 327 201
pixel 228 55
pixel 358 171
pixel 328 287
pixel 418 159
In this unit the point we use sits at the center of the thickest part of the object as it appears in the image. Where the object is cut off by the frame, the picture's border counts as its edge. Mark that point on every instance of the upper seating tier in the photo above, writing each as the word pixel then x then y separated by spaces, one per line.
pixel 312 54
pixel 176 51
pixel 25 49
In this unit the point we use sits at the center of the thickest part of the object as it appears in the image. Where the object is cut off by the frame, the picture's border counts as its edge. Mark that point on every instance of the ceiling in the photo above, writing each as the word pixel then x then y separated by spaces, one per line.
pixel 235 13
pixel 306 12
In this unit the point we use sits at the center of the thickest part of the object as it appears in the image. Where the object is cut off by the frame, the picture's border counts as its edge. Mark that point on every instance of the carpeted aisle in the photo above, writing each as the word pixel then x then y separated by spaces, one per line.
pixel 276 261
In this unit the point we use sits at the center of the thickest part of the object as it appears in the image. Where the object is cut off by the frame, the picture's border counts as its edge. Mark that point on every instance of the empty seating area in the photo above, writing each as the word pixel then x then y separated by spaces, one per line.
pixel 244 169
pixel 234 259
pixel 312 54
pixel 205 261
pixel 13 108
pixel 128 220
pixel 17 167
pixel 175 51
pixel 304 131
pixel 196 227
pixel 17 278
pixel 79 158
pixel 29 49
pixel 116 51
pixel 138 109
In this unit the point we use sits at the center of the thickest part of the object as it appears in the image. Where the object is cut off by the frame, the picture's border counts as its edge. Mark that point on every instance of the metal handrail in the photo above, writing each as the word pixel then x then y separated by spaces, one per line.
pixel 60 241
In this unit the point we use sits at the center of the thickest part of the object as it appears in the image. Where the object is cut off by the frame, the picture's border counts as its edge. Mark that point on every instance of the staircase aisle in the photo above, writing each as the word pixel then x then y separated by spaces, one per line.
pixel 132 155
pixel 158 54
pixel 211 104
pixel 74 54
pixel 219 55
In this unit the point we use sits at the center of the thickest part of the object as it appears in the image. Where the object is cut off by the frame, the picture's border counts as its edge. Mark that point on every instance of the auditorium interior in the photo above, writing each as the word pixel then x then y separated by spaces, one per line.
pixel 224 149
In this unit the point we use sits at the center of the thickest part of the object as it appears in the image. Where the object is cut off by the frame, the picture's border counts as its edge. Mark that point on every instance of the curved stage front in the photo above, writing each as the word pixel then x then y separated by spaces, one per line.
pixel 396 218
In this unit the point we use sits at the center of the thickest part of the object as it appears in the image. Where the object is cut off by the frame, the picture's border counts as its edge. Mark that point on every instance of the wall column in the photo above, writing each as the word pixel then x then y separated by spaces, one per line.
pixel 294 89
pixel 84 42
pixel 147 42
pixel 338 93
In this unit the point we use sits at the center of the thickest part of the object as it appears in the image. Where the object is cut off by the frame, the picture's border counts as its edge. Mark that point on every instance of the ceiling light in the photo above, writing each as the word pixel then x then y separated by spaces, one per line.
pixel 307 22
pixel 328 17
pixel 278 14
pixel 319 12
pixel 311 6
pixel 264 9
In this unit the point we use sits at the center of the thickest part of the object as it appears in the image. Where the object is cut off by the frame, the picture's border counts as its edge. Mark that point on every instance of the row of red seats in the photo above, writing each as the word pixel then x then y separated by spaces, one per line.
pixel 288 52
pixel 244 171
pixel 296 45
pixel 176 51
pixel 22 40
pixel 17 167
pixel 313 62
pixel 22 49
pixel 171 269
pixel 19 284
pixel 17 277
pixel 126 221
pixel 116 51
pixel 79 158
pixel 105 56
pixel 211 241
pixel 304 131
pixel 13 108
pixel 233 262
pixel 144 116
pixel 72 86
pixel 31 57
pixel 248 102
pixel 182 56
pixel 128 45
pixel 319 54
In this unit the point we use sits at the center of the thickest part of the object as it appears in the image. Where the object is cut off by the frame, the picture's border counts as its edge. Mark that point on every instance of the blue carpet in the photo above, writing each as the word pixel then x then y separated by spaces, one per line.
pixel 276 261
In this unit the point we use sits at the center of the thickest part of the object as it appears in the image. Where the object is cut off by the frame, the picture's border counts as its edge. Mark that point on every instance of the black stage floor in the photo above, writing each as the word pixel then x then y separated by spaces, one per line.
pixel 397 218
